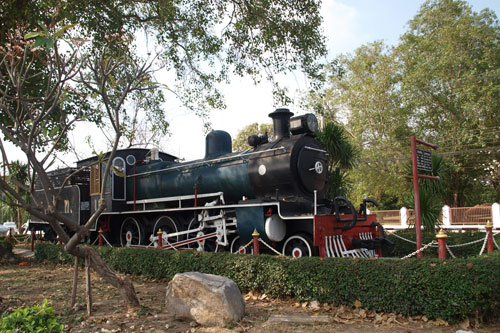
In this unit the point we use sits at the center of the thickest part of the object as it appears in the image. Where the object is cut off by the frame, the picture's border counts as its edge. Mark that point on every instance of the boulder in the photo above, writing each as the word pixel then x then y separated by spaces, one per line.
pixel 209 300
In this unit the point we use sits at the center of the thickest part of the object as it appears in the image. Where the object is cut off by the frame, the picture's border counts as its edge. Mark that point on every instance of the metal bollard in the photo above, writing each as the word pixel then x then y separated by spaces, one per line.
pixel 255 236
pixel 441 237
pixel 100 237
pixel 489 241
pixel 160 238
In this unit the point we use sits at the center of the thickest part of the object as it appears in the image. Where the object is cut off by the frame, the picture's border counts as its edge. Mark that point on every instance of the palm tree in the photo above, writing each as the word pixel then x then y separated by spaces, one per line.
pixel 342 157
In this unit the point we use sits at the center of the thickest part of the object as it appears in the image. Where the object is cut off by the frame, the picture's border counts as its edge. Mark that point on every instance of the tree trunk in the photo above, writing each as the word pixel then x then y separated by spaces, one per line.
pixel 75 283
pixel 88 286
pixel 124 285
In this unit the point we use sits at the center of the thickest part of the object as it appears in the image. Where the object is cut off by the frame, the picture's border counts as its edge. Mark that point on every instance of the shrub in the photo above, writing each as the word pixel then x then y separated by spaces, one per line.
pixel 451 290
pixel 6 254
pixel 38 318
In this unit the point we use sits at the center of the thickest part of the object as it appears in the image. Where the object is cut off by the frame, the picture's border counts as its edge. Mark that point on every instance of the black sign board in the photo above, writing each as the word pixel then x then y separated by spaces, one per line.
pixel 424 160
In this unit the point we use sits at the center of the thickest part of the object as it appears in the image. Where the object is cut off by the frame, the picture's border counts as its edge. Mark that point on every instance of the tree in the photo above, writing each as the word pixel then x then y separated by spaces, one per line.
pixel 362 91
pixel 201 42
pixel 44 91
pixel 8 205
pixel 342 157
pixel 113 78
pixel 431 192
pixel 439 83
pixel 240 143
pixel 450 60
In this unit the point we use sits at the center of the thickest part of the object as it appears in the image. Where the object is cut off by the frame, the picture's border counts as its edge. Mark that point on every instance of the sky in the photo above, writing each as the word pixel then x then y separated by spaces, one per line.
pixel 347 25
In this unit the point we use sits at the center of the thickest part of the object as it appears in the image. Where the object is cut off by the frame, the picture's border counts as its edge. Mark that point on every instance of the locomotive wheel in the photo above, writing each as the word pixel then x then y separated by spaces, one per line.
pixel 297 246
pixel 209 245
pixel 237 246
pixel 168 226
pixel 130 232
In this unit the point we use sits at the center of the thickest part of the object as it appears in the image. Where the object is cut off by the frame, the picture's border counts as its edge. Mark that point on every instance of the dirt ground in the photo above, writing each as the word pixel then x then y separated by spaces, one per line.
pixel 27 285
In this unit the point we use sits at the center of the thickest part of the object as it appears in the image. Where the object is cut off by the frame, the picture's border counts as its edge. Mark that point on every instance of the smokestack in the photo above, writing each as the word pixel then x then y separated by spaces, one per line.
pixel 281 123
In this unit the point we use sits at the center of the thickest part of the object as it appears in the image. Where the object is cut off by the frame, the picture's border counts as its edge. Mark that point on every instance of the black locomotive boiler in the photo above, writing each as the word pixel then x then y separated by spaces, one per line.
pixel 276 188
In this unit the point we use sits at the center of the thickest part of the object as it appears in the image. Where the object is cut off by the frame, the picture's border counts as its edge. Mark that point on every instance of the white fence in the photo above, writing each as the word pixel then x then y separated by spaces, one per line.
pixel 458 218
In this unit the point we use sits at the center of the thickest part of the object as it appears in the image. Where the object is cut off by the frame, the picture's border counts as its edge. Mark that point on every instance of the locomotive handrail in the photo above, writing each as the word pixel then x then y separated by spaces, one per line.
pixel 315 149
pixel 176 198
pixel 207 161
pixel 337 212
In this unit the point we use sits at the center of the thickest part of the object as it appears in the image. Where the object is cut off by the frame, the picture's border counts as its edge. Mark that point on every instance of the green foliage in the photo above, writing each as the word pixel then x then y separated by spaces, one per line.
pixel 240 143
pixel 440 83
pixel 17 177
pixel 5 247
pixel 34 319
pixel 342 157
pixel 449 67
pixel 200 42
pixel 431 193
pixel 450 290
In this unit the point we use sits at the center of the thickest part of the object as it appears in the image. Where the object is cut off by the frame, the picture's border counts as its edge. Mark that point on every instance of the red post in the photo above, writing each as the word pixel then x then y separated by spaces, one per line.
pixel 100 237
pixel 255 236
pixel 489 241
pixel 416 191
pixel 32 240
pixel 160 238
pixel 441 237
pixel 416 194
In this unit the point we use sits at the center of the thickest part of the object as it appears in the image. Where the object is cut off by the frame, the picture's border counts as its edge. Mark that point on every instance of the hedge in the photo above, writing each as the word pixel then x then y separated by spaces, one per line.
pixel 5 247
pixel 402 248
pixel 451 290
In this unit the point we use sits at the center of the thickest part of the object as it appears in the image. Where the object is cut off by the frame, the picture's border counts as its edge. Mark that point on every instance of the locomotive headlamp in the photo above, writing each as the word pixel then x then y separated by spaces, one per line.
pixel 307 123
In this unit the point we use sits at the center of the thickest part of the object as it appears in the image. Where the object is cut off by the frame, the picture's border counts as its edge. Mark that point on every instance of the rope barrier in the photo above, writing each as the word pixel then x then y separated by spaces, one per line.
pixel 449 251
pixel 244 247
pixel 495 242
pixel 270 247
pixel 484 244
pixel 24 239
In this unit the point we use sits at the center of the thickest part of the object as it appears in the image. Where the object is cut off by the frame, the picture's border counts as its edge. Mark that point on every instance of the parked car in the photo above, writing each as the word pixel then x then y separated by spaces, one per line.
pixel 11 225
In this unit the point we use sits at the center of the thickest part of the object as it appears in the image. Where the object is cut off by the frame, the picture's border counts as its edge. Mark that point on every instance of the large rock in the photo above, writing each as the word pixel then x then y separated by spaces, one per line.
pixel 210 300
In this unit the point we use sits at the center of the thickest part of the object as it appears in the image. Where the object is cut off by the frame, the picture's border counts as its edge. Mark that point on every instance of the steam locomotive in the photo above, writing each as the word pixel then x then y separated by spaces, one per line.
pixel 277 188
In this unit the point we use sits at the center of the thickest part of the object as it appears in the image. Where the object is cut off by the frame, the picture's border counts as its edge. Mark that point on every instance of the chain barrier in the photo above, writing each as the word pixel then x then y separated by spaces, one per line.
pixel 469 243
pixel 421 249
pixel 448 247
pixel 409 241
pixel 270 247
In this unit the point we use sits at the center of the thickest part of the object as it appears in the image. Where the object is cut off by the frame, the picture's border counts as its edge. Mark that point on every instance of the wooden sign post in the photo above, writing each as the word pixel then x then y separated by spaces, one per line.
pixel 420 160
